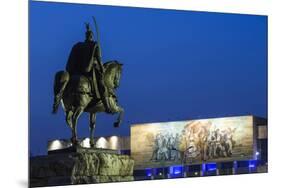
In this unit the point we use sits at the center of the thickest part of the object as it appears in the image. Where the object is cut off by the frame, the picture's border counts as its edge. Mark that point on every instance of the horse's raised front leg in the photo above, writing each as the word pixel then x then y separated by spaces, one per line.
pixel 120 117
pixel 115 108
pixel 92 129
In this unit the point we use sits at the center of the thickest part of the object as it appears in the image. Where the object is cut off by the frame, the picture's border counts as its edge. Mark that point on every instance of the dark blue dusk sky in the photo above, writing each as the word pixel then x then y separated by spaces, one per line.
pixel 178 65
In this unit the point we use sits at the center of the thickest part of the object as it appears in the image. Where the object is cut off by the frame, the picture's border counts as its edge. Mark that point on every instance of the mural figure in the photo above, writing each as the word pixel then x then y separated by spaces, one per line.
pixel 166 148
pixel 196 135
pixel 156 147
pixel 220 143
pixel 174 153
pixel 211 144
pixel 203 141
pixel 163 151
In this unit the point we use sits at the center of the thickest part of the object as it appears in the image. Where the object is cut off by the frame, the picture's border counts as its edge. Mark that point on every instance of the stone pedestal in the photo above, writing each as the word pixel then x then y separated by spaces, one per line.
pixel 80 166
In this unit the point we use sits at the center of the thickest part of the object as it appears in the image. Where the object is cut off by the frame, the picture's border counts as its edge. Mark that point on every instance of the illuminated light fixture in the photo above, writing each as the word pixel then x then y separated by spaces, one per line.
pixel 55 145
pixel 257 153
pixel 211 166
pixel 102 143
pixel 86 143
pixel 252 164
pixel 113 142
pixel 175 170
pixel 148 172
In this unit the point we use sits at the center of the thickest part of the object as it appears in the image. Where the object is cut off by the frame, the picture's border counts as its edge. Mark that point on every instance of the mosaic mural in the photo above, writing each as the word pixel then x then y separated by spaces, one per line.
pixel 192 142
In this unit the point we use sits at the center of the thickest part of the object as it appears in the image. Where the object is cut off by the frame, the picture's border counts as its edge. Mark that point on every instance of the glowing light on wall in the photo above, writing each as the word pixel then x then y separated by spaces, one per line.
pixel 252 164
pixel 102 143
pixel 55 145
pixel 113 141
pixel 86 143
pixel 211 166
pixel 148 172
pixel 175 170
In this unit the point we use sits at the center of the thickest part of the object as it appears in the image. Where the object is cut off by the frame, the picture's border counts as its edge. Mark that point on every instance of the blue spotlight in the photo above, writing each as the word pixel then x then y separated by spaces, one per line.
pixel 148 172
pixel 175 170
pixel 211 166
pixel 252 163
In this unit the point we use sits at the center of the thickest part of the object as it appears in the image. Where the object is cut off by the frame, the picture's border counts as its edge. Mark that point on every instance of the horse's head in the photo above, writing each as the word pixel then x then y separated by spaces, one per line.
pixel 112 74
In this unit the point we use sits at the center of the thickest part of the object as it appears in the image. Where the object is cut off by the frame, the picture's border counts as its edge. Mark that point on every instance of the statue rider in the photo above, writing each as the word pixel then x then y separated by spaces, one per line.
pixel 85 59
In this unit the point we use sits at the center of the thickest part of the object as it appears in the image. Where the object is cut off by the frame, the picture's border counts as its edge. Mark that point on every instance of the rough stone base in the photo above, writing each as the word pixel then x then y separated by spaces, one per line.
pixel 80 167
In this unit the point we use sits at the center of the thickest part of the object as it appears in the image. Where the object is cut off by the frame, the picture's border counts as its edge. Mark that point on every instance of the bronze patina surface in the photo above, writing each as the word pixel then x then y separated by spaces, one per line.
pixel 87 85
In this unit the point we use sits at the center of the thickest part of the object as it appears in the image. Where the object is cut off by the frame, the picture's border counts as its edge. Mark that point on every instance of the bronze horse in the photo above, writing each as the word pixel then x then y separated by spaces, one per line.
pixel 76 96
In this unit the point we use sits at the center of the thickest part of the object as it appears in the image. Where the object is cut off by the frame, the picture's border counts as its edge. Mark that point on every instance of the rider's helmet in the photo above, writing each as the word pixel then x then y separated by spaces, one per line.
pixel 88 34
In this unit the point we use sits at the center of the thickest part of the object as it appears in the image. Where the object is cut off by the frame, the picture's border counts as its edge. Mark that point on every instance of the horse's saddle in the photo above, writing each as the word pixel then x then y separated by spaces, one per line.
pixel 81 84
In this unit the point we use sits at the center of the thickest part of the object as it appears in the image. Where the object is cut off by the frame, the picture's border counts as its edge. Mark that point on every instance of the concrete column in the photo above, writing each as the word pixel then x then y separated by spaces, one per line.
pixel 218 169
pixel 168 175
pixel 185 171
pixel 234 168
pixel 153 173
pixel 203 169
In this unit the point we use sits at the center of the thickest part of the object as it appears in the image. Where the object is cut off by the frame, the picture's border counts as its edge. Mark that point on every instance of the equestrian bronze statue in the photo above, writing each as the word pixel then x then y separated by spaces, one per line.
pixel 87 85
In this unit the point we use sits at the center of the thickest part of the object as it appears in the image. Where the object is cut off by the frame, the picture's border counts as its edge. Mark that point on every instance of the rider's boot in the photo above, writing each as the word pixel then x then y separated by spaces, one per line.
pixel 106 104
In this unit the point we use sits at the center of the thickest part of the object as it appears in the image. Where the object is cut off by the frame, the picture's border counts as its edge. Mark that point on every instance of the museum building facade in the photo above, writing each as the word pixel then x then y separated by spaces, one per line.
pixel 200 147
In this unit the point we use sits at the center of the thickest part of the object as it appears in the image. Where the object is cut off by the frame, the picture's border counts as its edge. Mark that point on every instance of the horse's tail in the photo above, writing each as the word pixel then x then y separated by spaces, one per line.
pixel 61 80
